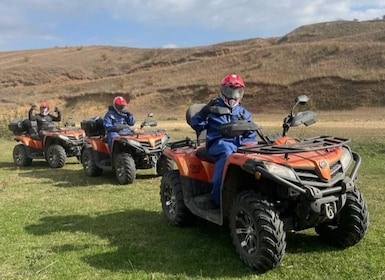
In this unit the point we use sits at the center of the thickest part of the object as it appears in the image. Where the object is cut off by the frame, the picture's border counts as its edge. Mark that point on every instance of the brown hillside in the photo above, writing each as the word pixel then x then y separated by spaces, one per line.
pixel 338 64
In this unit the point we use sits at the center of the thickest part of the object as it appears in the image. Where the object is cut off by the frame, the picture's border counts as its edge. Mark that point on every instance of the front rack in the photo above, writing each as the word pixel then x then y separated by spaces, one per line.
pixel 305 145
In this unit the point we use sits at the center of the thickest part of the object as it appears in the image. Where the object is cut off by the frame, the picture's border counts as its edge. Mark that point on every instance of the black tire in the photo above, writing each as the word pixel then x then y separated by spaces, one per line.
pixel 171 198
pixel 89 165
pixel 257 232
pixel 125 169
pixel 163 165
pixel 350 224
pixel 56 156
pixel 20 156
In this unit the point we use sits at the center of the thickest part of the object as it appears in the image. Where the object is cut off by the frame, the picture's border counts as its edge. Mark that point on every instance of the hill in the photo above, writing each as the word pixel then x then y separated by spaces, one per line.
pixel 340 65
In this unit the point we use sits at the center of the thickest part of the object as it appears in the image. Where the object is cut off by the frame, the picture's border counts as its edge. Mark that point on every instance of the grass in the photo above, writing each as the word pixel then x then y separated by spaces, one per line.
pixel 60 224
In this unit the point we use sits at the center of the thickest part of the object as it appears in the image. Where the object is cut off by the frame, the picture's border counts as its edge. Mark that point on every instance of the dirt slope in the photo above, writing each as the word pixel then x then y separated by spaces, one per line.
pixel 340 65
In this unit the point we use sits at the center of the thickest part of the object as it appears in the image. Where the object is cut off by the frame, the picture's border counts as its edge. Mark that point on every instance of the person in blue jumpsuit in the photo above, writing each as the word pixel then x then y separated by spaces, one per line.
pixel 231 93
pixel 117 120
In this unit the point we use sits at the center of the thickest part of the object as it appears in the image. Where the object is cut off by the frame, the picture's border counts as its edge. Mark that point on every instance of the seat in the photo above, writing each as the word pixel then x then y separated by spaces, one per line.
pixel 191 111
pixel 201 151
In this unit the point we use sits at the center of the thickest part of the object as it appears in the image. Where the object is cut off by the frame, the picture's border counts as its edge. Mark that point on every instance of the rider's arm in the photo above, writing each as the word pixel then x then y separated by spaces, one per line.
pixel 107 122
pixel 130 119
pixel 31 117
pixel 58 117
pixel 198 122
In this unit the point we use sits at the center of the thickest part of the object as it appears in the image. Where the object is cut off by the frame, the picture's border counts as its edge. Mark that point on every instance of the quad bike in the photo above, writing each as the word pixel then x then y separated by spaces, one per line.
pixel 54 144
pixel 138 150
pixel 280 184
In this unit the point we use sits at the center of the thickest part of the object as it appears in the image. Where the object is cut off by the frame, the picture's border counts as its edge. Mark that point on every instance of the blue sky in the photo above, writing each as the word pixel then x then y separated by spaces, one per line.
pixel 37 24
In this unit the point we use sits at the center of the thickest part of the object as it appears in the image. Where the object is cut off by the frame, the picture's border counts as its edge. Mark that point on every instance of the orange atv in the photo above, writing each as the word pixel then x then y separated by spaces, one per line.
pixel 54 144
pixel 138 150
pixel 280 184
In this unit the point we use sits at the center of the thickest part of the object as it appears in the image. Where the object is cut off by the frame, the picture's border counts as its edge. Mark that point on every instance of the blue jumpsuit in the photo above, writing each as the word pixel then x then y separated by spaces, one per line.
pixel 113 118
pixel 218 145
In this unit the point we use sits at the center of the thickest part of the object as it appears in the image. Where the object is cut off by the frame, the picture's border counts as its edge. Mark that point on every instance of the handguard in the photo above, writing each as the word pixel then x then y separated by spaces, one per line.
pixel 237 128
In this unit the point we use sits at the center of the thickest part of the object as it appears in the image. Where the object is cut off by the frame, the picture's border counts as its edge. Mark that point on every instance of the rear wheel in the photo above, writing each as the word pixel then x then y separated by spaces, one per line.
pixel 171 198
pixel 350 224
pixel 56 156
pixel 89 165
pixel 20 156
pixel 257 232
pixel 125 169
pixel 163 165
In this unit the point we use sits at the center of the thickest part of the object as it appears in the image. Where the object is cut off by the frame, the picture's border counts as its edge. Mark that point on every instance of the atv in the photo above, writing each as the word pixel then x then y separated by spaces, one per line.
pixel 138 150
pixel 269 188
pixel 53 144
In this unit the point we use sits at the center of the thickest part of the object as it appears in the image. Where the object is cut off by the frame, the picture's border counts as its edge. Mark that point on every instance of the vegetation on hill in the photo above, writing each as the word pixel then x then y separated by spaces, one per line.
pixel 340 65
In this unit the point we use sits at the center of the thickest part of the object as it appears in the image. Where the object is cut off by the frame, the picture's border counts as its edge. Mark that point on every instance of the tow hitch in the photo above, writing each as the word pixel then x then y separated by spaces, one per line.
pixel 330 209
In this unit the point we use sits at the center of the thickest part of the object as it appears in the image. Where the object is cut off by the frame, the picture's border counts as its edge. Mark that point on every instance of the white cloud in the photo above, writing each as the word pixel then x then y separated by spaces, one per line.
pixel 47 20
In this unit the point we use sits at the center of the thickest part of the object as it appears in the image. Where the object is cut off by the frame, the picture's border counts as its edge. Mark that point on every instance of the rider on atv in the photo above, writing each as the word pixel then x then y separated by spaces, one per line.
pixel 211 118
pixel 44 118
pixel 117 119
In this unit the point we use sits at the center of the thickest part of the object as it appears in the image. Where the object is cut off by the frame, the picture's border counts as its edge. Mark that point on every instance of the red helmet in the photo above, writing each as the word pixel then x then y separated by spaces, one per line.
pixel 232 89
pixel 119 103
pixel 44 109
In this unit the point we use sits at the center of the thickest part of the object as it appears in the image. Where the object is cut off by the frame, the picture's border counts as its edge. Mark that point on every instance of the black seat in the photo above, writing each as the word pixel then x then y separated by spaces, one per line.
pixel 191 111
pixel 202 154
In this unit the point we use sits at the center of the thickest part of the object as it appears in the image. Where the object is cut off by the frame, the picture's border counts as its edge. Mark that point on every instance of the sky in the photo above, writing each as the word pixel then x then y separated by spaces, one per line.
pixel 38 24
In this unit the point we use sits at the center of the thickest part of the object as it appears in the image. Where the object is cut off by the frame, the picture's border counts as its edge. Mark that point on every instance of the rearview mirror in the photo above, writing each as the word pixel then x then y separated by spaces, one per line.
pixel 302 99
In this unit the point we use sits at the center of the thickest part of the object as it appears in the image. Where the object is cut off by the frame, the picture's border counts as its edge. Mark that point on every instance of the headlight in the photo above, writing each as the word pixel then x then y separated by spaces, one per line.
pixel 165 140
pixel 346 158
pixel 134 143
pixel 280 170
pixel 65 138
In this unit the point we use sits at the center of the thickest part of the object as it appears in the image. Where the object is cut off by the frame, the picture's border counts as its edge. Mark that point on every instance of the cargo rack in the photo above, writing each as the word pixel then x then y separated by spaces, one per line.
pixel 305 145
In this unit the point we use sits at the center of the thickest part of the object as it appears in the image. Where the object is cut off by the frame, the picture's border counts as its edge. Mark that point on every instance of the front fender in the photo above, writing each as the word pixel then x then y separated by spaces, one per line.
pixel 189 165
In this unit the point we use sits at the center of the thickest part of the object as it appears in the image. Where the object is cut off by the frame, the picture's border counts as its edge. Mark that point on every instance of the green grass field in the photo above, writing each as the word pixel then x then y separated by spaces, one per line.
pixel 60 224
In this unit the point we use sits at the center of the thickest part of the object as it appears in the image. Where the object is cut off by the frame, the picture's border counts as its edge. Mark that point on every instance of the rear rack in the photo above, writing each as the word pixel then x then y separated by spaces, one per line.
pixel 305 145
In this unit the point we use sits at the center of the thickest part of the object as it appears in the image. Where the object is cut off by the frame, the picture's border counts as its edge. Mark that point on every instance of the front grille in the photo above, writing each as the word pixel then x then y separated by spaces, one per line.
pixel 147 145
pixel 312 177
pixel 79 140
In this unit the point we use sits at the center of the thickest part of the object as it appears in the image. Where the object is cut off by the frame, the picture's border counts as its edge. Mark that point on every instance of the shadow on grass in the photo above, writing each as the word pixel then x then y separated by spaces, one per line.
pixel 70 176
pixel 300 243
pixel 142 240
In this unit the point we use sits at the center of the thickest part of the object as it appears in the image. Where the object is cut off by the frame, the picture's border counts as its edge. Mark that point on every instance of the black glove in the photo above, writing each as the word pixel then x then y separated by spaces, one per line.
pixel 57 110
pixel 124 111
pixel 119 127
pixel 33 107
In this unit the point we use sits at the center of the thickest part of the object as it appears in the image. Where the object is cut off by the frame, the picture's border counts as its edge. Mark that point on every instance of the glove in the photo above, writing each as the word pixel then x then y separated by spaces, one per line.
pixel 33 107
pixel 206 110
pixel 124 111
pixel 57 110
pixel 119 127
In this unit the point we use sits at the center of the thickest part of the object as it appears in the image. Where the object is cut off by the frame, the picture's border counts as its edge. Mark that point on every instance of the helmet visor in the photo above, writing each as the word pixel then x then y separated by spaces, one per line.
pixel 44 111
pixel 232 92
pixel 119 108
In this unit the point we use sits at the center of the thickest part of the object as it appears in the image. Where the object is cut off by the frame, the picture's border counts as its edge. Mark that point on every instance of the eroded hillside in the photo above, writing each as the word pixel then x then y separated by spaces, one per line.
pixel 340 65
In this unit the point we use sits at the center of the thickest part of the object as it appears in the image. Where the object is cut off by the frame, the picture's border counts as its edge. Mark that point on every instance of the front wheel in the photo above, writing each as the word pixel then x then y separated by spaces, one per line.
pixel 257 232
pixel 20 156
pixel 163 165
pixel 125 168
pixel 89 165
pixel 350 224
pixel 171 198
pixel 56 156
